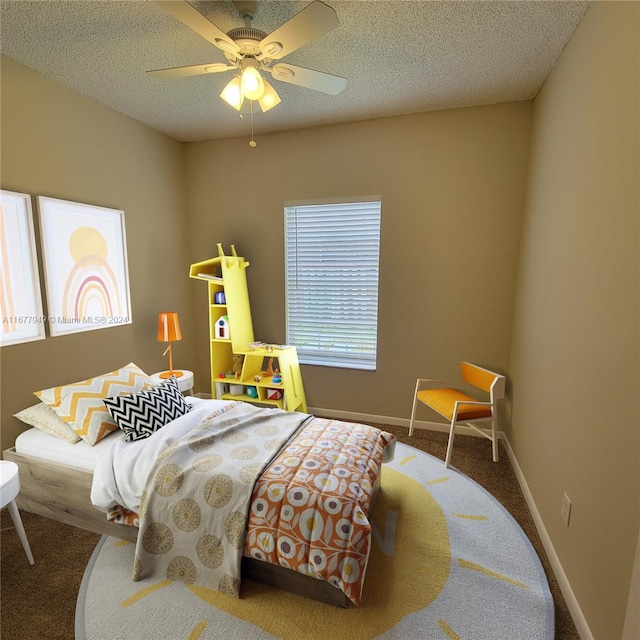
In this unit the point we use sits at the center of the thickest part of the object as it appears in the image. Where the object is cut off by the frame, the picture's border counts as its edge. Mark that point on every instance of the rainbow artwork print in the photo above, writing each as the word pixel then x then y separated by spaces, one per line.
pixel 86 273
pixel 92 287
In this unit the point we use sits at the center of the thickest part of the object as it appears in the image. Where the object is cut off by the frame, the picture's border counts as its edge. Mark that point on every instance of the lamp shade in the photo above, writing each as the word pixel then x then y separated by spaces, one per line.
pixel 269 99
pixel 252 84
pixel 168 327
pixel 232 94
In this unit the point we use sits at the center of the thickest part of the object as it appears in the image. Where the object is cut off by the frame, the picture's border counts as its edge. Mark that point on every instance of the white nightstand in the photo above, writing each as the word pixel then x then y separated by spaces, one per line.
pixel 185 381
pixel 9 489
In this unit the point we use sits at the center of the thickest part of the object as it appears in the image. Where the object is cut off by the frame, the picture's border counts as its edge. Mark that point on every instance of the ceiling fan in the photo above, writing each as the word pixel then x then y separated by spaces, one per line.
pixel 250 51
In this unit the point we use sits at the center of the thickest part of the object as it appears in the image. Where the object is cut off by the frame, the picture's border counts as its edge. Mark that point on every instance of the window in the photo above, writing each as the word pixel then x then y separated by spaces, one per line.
pixel 331 260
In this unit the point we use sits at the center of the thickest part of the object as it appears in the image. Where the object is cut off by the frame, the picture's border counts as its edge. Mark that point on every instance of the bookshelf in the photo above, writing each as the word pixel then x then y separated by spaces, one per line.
pixel 231 334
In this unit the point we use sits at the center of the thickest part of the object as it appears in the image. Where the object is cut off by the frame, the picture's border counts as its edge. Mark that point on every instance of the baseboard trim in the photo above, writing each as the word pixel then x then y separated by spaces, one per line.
pixel 579 620
pixel 352 416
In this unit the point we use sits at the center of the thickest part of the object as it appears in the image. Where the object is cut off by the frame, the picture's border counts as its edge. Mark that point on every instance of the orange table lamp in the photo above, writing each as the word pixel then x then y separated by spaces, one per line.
pixel 169 331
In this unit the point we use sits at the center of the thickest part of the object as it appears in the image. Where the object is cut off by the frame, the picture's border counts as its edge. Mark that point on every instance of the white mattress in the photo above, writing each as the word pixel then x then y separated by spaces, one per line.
pixel 34 442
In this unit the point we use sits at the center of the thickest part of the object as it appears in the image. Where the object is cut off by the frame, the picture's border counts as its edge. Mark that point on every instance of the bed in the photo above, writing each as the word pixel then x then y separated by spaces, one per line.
pixel 58 481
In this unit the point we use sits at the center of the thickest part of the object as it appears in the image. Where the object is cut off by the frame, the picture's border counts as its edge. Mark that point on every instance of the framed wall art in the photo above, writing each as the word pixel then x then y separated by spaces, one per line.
pixel 20 298
pixel 85 265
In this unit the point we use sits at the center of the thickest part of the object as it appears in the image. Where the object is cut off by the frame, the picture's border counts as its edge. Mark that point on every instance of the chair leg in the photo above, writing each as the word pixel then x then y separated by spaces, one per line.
pixel 447 460
pixel 494 439
pixel 413 410
pixel 17 521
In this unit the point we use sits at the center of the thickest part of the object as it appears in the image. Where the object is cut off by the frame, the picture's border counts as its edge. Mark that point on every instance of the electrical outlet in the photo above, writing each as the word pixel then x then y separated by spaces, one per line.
pixel 565 509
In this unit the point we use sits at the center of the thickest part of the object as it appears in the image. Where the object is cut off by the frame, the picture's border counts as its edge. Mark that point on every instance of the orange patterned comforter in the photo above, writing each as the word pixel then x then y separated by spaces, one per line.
pixel 309 508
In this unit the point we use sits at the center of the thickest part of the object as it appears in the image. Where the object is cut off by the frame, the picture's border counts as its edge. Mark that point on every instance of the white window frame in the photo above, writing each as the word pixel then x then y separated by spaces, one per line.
pixel 349 254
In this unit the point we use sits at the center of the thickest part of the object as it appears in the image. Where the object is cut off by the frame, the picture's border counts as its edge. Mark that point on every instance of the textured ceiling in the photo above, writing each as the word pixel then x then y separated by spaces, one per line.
pixel 399 57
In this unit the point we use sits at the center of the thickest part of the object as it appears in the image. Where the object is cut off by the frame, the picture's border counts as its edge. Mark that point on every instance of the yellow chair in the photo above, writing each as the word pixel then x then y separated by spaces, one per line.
pixel 460 408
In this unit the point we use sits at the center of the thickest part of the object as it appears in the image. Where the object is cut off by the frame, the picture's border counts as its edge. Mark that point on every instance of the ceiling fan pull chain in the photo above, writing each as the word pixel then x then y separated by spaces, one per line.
pixel 252 142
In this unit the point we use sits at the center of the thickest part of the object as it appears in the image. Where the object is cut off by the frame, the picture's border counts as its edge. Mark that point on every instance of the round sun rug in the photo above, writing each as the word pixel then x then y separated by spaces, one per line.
pixel 447 562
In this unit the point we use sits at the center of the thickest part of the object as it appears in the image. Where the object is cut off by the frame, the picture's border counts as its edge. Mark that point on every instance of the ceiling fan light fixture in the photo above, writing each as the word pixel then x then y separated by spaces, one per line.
pixel 250 51
pixel 269 99
pixel 232 94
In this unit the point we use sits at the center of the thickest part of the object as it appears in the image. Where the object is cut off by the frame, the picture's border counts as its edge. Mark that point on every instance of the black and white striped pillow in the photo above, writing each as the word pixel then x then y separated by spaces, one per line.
pixel 140 415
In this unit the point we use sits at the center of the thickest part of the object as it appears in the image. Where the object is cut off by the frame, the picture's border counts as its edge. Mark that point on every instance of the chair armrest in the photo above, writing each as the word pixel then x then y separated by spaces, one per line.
pixel 488 404
pixel 420 381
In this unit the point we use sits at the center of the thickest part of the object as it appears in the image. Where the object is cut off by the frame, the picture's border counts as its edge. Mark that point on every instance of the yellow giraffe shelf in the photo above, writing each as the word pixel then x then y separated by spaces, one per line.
pixel 231 334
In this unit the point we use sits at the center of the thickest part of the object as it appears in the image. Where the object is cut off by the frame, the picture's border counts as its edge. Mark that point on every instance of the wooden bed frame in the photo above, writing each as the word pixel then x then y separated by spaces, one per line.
pixel 63 493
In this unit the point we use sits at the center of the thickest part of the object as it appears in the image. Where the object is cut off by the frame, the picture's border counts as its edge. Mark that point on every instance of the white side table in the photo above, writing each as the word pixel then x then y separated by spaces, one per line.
pixel 9 489
pixel 185 381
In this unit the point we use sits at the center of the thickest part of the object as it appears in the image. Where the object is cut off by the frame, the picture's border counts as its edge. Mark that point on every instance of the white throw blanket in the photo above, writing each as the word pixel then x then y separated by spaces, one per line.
pixel 121 472
pixel 195 505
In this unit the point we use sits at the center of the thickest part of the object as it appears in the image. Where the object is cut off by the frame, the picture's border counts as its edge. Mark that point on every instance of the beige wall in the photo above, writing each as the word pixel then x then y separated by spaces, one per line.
pixel 452 188
pixel 575 357
pixel 454 273
pixel 58 143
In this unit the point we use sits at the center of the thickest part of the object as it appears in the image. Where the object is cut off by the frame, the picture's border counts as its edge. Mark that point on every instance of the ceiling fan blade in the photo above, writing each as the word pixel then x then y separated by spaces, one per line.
pixel 184 12
pixel 312 22
pixel 191 70
pixel 308 78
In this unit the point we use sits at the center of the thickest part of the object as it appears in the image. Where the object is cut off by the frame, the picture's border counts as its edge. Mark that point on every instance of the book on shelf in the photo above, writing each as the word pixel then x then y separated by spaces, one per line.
pixel 210 276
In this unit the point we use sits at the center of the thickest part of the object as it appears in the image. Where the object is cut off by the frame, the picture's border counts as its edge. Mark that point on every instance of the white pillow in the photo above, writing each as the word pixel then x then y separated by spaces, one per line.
pixel 44 418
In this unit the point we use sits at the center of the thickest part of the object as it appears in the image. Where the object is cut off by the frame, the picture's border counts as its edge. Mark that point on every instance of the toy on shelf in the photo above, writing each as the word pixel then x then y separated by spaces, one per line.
pixel 269 370
pixel 252 392
pixel 274 394
pixel 238 359
pixel 222 328
pixel 277 378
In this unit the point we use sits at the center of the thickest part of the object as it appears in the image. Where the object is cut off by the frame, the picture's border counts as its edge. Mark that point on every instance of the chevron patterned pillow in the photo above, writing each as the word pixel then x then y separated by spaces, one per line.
pixel 140 415
pixel 80 404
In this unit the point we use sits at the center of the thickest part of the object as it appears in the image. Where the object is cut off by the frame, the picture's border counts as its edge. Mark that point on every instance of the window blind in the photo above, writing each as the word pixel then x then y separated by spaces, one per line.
pixel 332 267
